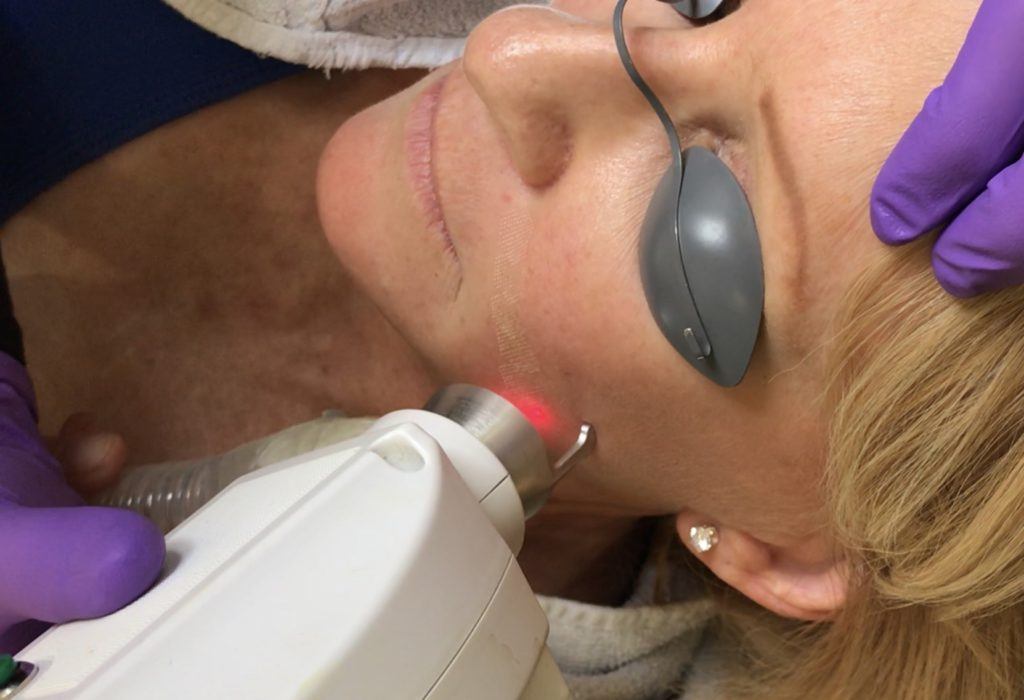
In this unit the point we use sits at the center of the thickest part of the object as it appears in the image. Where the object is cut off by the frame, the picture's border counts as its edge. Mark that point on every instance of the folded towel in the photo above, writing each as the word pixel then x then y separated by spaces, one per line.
pixel 345 33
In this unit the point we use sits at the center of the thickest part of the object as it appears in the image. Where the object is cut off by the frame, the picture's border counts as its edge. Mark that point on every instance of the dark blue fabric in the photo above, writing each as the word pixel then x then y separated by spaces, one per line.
pixel 78 78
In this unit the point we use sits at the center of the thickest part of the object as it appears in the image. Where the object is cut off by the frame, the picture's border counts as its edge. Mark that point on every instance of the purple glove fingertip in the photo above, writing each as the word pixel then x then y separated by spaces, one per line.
pixel 962 282
pixel 983 249
pixel 64 564
pixel 120 556
pixel 969 129
pixel 888 202
pixel 61 559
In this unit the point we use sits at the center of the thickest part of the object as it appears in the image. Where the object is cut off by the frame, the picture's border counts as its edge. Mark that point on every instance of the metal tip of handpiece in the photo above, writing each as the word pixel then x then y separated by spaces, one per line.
pixel 583 446
pixel 505 431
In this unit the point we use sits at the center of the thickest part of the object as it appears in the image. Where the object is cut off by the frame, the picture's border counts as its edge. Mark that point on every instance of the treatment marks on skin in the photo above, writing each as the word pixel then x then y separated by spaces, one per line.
pixel 519 367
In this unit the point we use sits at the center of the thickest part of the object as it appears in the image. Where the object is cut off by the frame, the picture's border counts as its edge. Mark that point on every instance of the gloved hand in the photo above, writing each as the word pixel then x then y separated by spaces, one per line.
pixel 960 162
pixel 59 559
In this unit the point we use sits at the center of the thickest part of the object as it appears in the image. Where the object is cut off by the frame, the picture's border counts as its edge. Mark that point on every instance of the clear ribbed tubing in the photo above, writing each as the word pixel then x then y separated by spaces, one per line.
pixel 169 493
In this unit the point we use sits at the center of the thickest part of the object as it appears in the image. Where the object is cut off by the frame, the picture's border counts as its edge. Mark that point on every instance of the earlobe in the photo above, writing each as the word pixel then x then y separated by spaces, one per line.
pixel 805 580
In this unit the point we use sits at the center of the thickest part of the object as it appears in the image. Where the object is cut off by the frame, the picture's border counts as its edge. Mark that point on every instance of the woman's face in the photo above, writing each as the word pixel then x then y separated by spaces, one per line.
pixel 492 211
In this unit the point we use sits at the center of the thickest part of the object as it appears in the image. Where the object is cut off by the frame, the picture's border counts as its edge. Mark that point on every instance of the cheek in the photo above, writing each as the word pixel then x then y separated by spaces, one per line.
pixel 668 438
pixel 566 302
pixel 583 337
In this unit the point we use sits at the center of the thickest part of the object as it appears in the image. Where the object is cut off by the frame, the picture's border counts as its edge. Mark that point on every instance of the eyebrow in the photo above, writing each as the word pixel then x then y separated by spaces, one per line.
pixel 787 181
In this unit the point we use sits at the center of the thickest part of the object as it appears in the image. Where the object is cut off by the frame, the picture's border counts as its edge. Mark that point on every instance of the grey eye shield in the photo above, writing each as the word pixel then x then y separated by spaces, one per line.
pixel 700 255
pixel 696 9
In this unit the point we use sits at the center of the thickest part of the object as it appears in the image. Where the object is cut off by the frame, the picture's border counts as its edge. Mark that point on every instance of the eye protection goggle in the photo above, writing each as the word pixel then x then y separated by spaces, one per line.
pixel 700 255
pixel 695 9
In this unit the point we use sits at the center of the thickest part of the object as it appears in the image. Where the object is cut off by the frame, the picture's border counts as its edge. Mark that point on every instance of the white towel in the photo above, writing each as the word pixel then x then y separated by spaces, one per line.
pixel 345 33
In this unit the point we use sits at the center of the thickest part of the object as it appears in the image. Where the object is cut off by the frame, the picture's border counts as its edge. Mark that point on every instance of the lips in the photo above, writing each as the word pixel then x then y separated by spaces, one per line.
pixel 419 150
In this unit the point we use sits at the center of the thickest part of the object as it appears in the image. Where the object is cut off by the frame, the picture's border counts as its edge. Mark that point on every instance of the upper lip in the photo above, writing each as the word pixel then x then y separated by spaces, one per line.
pixel 420 159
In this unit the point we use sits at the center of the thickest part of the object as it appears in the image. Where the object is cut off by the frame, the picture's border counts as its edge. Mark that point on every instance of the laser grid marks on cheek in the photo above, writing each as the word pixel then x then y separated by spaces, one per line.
pixel 519 368
pixel 517 363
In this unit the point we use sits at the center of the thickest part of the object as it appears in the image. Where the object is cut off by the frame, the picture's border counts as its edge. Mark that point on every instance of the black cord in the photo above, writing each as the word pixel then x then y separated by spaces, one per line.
pixel 652 99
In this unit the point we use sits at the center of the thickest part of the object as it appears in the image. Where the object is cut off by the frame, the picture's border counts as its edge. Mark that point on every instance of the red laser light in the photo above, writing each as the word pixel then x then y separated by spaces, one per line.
pixel 540 415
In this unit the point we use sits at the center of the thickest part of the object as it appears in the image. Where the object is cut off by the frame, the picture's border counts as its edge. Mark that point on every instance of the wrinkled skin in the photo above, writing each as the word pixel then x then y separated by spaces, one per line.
pixel 803 105
pixel 523 271
pixel 545 158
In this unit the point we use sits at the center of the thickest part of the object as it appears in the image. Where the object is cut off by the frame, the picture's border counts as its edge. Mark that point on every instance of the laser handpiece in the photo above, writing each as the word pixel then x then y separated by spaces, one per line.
pixel 381 566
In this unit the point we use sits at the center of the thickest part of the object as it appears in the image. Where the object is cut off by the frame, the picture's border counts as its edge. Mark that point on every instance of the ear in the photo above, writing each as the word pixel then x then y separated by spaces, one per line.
pixel 802 579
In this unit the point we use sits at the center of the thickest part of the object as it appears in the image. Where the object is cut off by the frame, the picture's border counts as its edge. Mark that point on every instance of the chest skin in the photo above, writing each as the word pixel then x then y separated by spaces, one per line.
pixel 181 290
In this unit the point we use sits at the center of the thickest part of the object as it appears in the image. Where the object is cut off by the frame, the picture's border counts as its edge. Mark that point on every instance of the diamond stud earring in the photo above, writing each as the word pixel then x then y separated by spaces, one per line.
pixel 703 537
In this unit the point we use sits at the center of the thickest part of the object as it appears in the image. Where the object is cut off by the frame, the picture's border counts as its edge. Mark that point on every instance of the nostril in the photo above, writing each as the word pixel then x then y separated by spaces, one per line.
pixel 540 149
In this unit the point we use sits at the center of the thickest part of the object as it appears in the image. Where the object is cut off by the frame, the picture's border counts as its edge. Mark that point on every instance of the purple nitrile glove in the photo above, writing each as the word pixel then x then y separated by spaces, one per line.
pixel 959 165
pixel 60 560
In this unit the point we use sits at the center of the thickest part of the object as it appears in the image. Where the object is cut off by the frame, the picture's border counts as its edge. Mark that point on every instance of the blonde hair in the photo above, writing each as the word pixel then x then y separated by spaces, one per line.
pixel 925 488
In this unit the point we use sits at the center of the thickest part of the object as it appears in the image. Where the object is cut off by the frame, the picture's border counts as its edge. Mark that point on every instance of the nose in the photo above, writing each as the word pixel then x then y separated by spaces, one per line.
pixel 554 85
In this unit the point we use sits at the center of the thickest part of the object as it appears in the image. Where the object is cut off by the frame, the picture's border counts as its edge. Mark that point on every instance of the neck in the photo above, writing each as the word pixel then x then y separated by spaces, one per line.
pixel 180 287
pixel 592 559
pixel 209 311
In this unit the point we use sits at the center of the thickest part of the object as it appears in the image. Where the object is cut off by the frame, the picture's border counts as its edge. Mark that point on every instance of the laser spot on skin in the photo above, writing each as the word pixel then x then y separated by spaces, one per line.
pixel 529 386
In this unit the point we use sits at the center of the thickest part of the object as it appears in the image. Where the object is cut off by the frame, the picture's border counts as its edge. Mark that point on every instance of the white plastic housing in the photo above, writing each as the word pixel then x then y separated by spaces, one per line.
pixel 363 570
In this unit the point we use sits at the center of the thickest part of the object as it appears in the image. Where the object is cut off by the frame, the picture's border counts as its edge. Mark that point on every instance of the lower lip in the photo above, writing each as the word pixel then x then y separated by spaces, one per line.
pixel 419 158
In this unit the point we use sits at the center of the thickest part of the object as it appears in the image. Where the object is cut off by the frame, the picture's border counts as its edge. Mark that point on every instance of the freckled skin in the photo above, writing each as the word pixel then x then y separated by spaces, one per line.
pixel 803 105
pixel 181 287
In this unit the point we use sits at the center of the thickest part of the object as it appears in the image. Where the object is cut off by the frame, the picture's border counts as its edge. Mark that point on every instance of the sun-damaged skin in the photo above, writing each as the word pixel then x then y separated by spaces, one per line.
pixel 179 288
pixel 539 124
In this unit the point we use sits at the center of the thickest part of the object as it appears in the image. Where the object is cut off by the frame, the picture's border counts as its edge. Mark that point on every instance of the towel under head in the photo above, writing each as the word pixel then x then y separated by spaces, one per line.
pixel 345 33
pixel 84 77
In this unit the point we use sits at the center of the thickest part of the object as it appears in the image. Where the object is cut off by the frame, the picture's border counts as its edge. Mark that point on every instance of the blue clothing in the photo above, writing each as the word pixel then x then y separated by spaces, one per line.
pixel 78 78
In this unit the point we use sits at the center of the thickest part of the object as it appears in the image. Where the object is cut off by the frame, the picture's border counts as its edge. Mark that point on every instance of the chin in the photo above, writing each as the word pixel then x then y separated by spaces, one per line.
pixel 346 189
pixel 369 216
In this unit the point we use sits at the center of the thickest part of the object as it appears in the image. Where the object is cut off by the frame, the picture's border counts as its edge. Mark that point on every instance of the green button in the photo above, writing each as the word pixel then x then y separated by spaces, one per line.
pixel 7 668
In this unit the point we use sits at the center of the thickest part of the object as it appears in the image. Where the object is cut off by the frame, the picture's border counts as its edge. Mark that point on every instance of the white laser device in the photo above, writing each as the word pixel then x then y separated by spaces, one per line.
pixel 382 567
